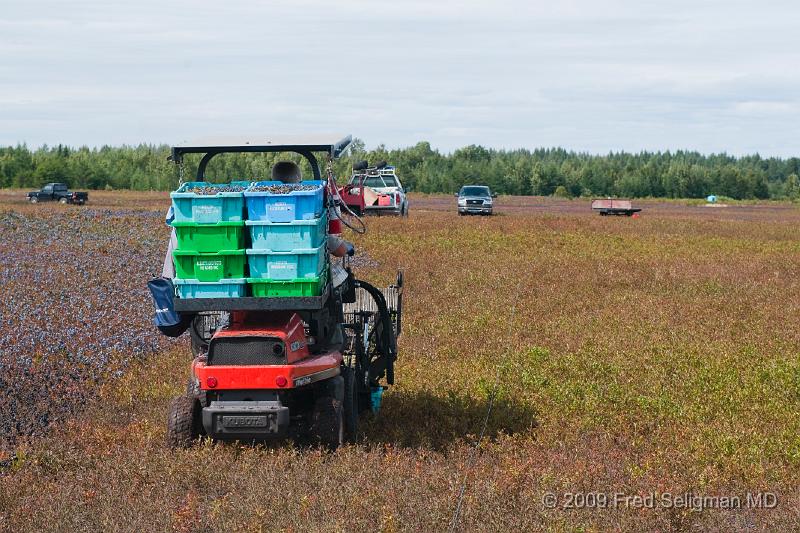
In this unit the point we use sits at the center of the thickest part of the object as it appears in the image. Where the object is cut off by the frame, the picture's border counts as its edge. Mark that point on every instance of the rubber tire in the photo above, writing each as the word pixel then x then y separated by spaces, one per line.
pixel 183 422
pixel 34 200
pixel 327 422
pixel 199 395
pixel 350 404
pixel 62 201
pixel 199 345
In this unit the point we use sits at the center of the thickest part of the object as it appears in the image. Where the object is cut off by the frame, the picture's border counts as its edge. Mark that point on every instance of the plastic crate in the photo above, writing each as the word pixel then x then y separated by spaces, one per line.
pixel 266 264
pixel 226 264
pixel 228 288
pixel 287 236
pixel 293 288
pixel 296 205
pixel 209 237
pixel 208 208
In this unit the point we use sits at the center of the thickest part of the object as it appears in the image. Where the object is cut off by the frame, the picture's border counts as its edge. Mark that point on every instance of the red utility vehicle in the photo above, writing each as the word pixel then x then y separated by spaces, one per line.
pixel 299 367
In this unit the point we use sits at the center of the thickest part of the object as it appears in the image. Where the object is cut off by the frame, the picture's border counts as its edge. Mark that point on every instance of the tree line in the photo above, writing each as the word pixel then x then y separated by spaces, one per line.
pixel 543 171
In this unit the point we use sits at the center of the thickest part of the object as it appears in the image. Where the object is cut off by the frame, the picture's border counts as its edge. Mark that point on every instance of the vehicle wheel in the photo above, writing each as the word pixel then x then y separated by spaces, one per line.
pixel 327 422
pixel 404 210
pixel 34 200
pixel 62 201
pixel 202 328
pixel 199 344
pixel 183 422
pixel 199 395
pixel 350 404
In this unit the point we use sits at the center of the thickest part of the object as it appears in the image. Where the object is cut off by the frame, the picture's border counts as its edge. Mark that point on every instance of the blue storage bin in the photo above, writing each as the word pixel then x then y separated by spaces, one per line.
pixel 209 208
pixel 288 236
pixel 296 205
pixel 227 288
pixel 296 264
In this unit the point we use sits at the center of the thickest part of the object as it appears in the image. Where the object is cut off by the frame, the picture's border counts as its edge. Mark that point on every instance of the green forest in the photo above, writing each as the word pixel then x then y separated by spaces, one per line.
pixel 543 171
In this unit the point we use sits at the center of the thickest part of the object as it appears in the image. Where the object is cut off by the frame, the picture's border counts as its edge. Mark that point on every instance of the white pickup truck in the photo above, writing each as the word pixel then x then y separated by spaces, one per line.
pixel 375 190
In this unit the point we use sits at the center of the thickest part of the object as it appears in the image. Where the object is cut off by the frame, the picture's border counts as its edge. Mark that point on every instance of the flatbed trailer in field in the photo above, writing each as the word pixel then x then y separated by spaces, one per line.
pixel 614 207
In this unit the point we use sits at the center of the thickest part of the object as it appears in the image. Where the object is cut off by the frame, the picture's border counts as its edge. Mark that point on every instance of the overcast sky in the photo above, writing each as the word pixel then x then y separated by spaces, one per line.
pixel 587 75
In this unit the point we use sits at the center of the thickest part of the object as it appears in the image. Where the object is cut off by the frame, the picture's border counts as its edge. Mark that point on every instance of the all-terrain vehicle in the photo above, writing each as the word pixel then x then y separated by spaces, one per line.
pixel 274 367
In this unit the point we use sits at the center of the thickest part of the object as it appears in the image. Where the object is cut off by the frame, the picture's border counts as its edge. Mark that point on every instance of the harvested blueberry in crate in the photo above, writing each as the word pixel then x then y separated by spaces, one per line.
pixel 285 188
pixel 215 189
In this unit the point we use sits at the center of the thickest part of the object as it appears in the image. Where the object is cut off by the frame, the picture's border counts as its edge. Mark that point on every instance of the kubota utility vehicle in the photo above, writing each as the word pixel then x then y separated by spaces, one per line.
pixel 273 367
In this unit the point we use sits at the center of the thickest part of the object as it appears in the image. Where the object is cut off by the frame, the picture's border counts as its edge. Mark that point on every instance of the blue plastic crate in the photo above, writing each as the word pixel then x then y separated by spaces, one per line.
pixel 209 208
pixel 228 288
pixel 297 205
pixel 288 236
pixel 296 264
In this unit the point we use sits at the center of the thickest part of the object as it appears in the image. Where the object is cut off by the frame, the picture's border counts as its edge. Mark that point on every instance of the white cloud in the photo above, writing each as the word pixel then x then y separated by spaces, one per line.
pixel 588 75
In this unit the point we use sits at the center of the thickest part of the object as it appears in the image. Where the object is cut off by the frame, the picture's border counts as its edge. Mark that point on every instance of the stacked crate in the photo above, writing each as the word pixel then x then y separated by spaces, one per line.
pixel 287 226
pixel 210 258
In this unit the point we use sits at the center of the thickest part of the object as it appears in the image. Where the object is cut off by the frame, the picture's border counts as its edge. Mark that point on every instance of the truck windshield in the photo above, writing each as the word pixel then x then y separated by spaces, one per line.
pixel 475 191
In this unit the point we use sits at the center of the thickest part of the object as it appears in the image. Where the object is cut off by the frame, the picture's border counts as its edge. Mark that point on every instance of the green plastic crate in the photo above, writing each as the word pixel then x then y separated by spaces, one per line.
pixel 295 288
pixel 226 264
pixel 209 237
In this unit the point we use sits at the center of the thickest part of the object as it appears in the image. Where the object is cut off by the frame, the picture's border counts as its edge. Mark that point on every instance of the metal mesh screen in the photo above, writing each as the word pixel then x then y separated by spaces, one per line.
pixel 365 303
pixel 247 351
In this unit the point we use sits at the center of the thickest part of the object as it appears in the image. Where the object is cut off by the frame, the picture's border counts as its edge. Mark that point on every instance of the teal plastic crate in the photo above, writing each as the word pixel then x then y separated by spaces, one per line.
pixel 297 264
pixel 228 288
pixel 288 236
pixel 297 205
pixel 222 206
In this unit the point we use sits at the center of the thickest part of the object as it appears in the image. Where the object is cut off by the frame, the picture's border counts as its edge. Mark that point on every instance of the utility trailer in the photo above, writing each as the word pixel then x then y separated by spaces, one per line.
pixel 301 367
pixel 614 207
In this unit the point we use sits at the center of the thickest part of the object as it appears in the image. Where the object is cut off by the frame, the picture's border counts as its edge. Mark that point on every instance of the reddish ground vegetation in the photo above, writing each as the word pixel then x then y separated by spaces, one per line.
pixel 625 356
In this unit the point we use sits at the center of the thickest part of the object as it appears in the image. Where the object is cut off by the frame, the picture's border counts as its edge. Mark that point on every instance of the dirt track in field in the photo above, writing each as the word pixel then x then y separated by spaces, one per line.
pixel 529 205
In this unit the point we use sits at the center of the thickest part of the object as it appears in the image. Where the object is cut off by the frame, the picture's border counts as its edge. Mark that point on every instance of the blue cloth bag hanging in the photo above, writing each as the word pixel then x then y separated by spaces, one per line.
pixel 167 320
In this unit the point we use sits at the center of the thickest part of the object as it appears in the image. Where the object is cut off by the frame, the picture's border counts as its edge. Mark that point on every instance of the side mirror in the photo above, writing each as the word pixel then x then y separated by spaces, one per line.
pixel 455 194
pixel 494 195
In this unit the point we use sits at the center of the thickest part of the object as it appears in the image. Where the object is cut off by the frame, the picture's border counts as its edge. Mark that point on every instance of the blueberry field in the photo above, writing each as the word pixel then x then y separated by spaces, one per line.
pixel 601 359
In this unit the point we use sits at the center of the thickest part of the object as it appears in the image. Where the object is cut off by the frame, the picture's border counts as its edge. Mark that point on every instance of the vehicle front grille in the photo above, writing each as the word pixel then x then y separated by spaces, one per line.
pixel 247 351
pixel 474 202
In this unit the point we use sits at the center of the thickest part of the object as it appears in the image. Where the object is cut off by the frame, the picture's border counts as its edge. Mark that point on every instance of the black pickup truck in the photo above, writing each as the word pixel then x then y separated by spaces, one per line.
pixel 58 192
